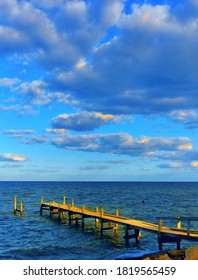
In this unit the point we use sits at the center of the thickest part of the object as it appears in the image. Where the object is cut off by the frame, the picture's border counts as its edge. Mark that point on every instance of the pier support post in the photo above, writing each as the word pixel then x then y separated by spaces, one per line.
pixel 21 208
pixel 15 205
pixel 101 221
pixel 188 228
pixel 137 235
pixel 64 199
pixel 83 217
pixel 127 235
pixel 70 218
pixel 116 225
pixel 41 205
pixel 101 227
pixel 96 220
pixel 165 238
pixel 160 224
pixel 61 215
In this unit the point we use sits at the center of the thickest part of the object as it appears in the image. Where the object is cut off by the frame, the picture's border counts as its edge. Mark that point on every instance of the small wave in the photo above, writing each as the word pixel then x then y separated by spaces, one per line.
pixel 132 255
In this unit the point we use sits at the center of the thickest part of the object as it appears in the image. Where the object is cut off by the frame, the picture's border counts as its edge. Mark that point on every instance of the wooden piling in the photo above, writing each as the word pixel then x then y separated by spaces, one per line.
pixel 101 212
pixel 20 207
pixel 15 205
pixel 41 205
pixel 101 227
pixel 188 228
pixel 83 217
pixel 160 224
pixel 126 235
pixel 64 200
pixel 116 225
pixel 137 235
pixel 96 219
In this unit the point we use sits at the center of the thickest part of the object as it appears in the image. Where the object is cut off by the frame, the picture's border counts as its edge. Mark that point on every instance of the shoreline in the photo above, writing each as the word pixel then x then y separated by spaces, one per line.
pixel 190 253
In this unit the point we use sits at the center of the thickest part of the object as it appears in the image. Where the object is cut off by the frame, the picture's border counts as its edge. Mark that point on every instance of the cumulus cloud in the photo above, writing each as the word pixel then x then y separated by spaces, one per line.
pixel 26 136
pixel 189 118
pixel 34 93
pixel 105 59
pixel 13 158
pixel 91 65
pixel 150 37
pixel 82 121
pixel 119 143
pixel 8 82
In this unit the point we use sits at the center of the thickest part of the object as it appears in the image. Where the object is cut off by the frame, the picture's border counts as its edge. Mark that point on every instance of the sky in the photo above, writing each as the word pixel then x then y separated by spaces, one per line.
pixel 99 90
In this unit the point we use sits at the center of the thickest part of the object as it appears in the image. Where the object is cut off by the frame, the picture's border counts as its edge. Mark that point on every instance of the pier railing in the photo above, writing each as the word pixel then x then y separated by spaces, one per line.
pixel 179 221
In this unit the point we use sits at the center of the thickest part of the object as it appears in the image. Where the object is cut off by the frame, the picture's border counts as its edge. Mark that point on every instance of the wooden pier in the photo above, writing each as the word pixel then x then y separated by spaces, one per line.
pixel 105 221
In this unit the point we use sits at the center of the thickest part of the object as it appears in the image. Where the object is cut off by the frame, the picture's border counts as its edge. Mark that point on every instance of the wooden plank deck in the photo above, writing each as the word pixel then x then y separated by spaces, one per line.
pixel 165 234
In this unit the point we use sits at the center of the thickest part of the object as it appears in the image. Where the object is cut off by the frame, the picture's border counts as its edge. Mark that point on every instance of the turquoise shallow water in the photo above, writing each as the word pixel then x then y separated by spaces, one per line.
pixel 40 237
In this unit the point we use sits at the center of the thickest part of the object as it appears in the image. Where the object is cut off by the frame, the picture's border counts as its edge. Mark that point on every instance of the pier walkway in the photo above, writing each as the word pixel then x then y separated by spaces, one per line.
pixel 105 221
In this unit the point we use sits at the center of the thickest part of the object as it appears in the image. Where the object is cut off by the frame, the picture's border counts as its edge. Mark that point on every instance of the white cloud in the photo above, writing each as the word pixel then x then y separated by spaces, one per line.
pixel 82 121
pixel 189 118
pixel 13 158
pixel 56 131
pixel 9 82
pixel 121 143
pixel 18 132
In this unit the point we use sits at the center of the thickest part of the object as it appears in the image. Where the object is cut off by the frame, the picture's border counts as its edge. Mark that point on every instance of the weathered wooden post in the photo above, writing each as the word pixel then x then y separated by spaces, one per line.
pixel 101 212
pixel 116 225
pixel 188 228
pixel 137 236
pixel 41 205
pixel 160 224
pixel 101 221
pixel 64 199
pixel 83 217
pixel 159 233
pixel 71 216
pixel 21 207
pixel 126 235
pixel 61 215
pixel 96 220
pixel 15 205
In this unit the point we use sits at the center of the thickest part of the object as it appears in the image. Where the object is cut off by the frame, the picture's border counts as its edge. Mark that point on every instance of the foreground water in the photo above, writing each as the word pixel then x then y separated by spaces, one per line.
pixel 39 237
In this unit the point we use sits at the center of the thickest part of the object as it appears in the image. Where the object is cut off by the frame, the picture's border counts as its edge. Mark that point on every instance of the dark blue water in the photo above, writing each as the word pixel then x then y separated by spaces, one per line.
pixel 40 237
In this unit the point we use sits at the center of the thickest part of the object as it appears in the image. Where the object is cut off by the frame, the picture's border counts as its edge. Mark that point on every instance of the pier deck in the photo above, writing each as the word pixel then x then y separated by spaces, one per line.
pixel 164 234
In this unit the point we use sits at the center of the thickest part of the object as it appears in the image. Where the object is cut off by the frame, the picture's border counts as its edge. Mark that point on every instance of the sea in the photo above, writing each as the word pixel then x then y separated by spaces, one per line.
pixel 40 237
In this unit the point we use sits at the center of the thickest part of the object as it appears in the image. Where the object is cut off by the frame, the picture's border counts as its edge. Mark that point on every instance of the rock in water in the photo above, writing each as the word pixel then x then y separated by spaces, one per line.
pixel 191 253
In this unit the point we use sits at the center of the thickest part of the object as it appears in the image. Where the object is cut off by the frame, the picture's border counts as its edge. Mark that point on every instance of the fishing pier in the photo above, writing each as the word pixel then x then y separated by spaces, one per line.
pixel 132 228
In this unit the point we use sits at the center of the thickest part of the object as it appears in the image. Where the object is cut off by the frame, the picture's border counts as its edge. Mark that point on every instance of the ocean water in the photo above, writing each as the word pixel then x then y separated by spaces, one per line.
pixel 36 237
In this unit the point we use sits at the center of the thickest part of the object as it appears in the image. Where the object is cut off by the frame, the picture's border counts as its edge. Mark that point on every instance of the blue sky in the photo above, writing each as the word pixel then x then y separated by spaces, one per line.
pixel 99 90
